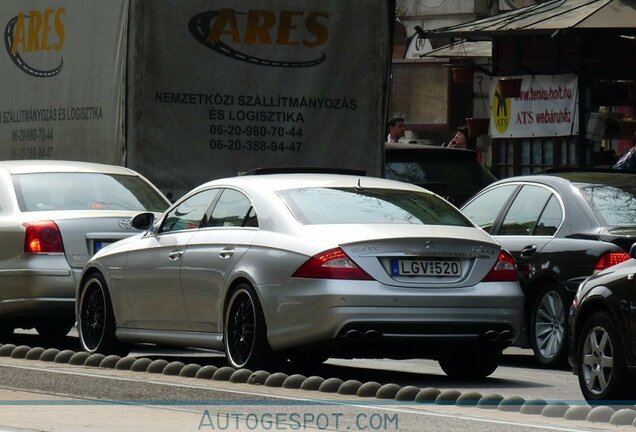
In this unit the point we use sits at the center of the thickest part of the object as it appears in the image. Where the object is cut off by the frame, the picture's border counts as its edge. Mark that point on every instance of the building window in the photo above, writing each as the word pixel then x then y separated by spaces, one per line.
pixel 530 155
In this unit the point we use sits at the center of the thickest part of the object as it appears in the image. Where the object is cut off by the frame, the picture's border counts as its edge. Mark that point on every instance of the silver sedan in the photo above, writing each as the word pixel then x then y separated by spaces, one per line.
pixel 53 216
pixel 300 267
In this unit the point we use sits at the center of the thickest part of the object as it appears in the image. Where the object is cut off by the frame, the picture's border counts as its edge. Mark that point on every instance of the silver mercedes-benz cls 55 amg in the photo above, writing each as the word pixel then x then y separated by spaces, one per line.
pixel 300 267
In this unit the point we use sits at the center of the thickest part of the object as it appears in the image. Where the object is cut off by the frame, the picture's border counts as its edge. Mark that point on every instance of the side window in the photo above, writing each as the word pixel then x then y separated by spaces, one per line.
pixel 484 209
pixel 550 219
pixel 189 214
pixel 524 212
pixel 233 209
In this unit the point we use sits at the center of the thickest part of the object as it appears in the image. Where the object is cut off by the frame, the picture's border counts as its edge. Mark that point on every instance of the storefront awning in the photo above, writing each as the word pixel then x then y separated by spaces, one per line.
pixel 616 16
pixel 463 49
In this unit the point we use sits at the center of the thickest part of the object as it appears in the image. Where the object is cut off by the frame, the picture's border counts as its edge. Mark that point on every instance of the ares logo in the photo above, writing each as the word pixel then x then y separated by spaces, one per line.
pixel 258 29
pixel 28 36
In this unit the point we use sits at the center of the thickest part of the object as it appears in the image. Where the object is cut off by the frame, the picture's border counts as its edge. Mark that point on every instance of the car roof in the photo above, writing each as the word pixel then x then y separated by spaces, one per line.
pixel 426 148
pixel 50 166
pixel 556 179
pixel 276 182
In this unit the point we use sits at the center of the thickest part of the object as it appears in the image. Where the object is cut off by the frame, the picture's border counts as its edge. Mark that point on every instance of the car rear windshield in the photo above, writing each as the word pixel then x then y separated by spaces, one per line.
pixel 86 191
pixel 451 174
pixel 615 204
pixel 370 206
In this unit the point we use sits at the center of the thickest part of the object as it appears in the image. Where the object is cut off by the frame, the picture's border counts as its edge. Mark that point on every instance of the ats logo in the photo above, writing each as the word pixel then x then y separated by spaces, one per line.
pixel 245 36
pixel 501 111
pixel 33 41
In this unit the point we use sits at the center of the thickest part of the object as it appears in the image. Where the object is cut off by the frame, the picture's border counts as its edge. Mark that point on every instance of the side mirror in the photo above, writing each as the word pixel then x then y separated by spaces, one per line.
pixel 143 221
pixel 632 251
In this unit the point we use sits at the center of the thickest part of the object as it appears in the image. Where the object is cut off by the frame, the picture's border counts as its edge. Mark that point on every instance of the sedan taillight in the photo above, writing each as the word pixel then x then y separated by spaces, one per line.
pixel 610 259
pixel 42 237
pixel 331 264
pixel 504 270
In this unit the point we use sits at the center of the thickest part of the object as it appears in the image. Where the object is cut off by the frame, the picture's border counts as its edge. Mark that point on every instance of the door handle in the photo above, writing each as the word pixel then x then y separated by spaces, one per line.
pixel 528 251
pixel 227 252
pixel 175 255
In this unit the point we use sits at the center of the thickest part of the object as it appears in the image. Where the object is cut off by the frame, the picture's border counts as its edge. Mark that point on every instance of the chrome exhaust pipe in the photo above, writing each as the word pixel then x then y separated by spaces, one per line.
pixel 506 336
pixel 490 336
pixel 371 335
pixel 353 335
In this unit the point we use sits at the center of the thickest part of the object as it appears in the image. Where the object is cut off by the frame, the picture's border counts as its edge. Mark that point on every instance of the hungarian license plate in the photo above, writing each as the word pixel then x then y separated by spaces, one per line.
pixel 425 267
pixel 98 244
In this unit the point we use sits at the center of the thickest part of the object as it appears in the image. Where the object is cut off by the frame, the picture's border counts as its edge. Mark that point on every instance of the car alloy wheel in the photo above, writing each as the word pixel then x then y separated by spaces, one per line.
pixel 245 331
pixel 92 315
pixel 241 328
pixel 600 360
pixel 549 327
pixel 96 321
pixel 597 360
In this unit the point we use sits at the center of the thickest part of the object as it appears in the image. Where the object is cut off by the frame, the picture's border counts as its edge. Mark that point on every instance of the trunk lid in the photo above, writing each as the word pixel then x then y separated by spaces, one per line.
pixel 623 236
pixel 417 256
pixel 86 232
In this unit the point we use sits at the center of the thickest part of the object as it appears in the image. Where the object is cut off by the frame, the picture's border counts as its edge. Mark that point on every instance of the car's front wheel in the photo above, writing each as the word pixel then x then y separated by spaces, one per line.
pixel 549 327
pixel 245 331
pixel 96 320
pixel 475 364
pixel 602 369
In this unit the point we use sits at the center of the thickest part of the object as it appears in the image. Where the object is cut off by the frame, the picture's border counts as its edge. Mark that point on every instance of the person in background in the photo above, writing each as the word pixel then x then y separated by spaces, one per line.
pixel 462 141
pixel 396 129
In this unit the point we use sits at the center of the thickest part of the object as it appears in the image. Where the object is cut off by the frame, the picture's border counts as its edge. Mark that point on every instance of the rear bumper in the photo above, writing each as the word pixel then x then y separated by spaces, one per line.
pixel 306 312
pixel 37 292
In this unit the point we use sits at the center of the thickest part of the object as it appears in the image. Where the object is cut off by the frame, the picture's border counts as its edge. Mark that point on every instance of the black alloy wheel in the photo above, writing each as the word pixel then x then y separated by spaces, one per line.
pixel 96 323
pixel 245 332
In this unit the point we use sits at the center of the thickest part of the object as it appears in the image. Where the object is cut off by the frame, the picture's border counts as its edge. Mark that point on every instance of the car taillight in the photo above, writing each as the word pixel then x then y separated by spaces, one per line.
pixel 331 264
pixel 610 259
pixel 42 237
pixel 504 270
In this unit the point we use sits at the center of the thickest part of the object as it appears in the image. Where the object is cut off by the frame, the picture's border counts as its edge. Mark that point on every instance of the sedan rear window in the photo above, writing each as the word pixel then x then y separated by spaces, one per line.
pixel 86 191
pixel 370 206
pixel 616 205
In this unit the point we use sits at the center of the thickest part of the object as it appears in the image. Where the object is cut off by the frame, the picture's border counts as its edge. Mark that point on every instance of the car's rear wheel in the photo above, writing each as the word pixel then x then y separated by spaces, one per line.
pixel 55 329
pixel 602 370
pixel 96 321
pixel 245 331
pixel 478 363
pixel 548 326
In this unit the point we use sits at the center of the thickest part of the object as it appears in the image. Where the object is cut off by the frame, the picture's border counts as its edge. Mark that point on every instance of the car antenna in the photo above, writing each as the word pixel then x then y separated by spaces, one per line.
pixel 359 187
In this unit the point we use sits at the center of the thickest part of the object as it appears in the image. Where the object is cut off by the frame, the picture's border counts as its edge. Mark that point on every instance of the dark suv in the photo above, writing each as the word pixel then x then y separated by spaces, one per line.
pixel 453 174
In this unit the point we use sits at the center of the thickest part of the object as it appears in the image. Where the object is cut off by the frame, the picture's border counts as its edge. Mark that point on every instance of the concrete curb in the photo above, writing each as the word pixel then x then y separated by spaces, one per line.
pixel 553 409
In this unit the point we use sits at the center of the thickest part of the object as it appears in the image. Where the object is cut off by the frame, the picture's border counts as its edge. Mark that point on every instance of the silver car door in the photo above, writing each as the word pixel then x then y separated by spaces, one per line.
pixel 210 256
pixel 154 264
pixel 152 282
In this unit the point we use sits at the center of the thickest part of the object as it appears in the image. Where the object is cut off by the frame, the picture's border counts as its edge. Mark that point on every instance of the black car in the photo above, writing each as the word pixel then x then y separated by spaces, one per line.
pixel 454 174
pixel 561 228
pixel 603 332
